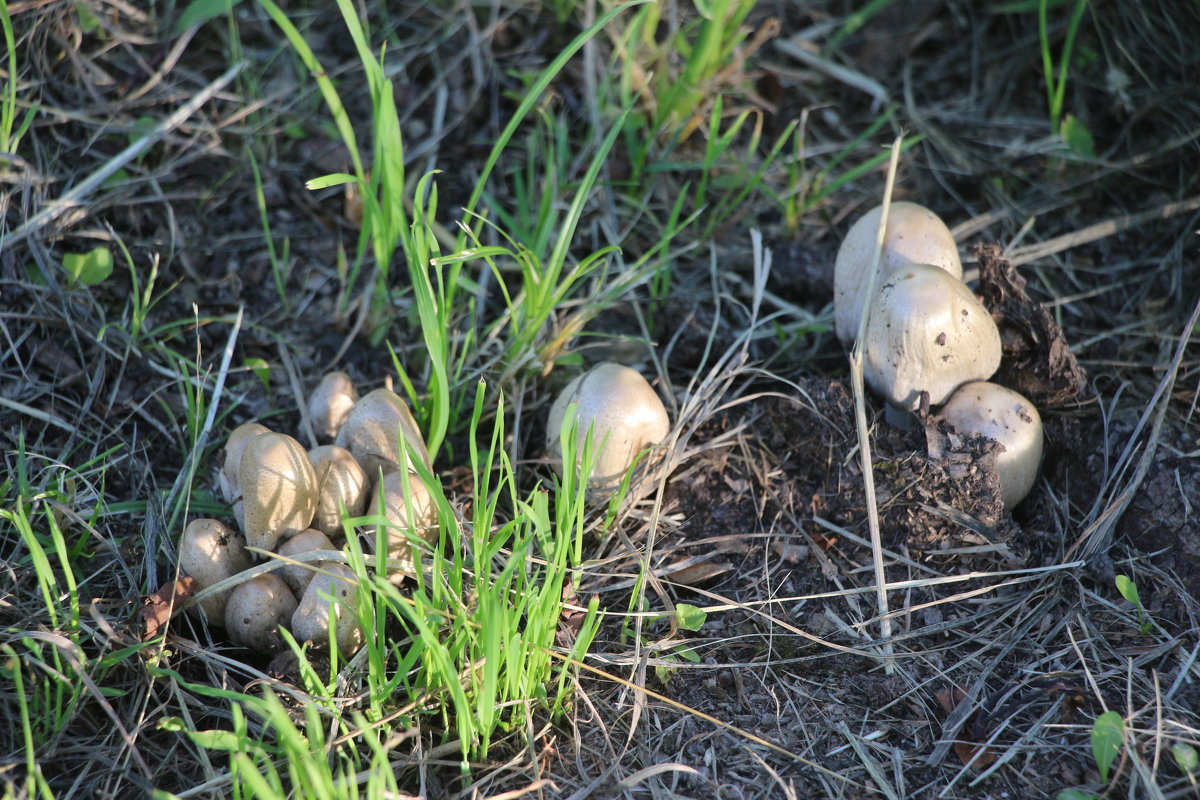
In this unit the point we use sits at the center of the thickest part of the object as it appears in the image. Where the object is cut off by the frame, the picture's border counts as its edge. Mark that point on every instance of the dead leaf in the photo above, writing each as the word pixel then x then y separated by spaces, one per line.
pixel 694 574
pixel 967 750
pixel 161 606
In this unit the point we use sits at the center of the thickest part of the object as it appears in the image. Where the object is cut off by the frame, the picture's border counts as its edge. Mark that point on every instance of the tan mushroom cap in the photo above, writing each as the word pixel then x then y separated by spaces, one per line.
pixel 341 483
pixel 624 413
pixel 915 235
pixel 927 332
pixel 372 432
pixel 1008 417
pixel 279 489
pixel 210 552
pixel 330 403
pixel 297 576
pixel 255 611
pixel 235 445
pixel 408 513
pixel 332 582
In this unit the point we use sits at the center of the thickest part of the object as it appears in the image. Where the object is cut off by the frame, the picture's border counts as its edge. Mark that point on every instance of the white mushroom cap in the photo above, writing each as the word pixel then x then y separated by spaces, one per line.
pixel 330 403
pixel 279 489
pixel 1008 417
pixel 255 611
pixel 210 552
pixel 297 576
pixel 372 432
pixel 422 521
pixel 340 480
pixel 927 332
pixel 333 582
pixel 915 235
pixel 235 445
pixel 624 413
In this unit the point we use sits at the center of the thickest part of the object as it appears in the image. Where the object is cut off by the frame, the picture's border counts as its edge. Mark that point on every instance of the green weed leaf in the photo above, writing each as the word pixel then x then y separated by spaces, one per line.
pixel 1108 734
pixel 87 20
pixel 1078 137
pixel 200 11
pixel 262 369
pixel 1186 757
pixel 1128 589
pixel 689 617
pixel 1074 794
pixel 89 268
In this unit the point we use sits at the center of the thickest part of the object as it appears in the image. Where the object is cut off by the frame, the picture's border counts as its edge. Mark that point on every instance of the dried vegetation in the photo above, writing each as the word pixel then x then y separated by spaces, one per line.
pixel 232 292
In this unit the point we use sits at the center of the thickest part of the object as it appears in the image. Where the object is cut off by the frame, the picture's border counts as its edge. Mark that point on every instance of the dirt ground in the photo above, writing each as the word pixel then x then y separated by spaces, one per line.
pixel 1009 636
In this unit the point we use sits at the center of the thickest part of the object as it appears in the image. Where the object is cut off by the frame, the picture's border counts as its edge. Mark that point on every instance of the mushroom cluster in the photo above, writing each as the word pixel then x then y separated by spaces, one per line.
pixel 929 340
pixel 289 501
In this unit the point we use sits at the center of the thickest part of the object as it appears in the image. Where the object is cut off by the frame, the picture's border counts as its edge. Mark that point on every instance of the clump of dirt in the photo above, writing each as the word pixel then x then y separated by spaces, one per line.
pixel 935 487
pixel 1037 360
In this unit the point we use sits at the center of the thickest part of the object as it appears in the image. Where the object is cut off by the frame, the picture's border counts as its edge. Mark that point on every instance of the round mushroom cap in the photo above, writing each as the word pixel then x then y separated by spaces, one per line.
pixel 210 552
pixel 624 412
pixel 408 513
pixel 373 429
pixel 279 489
pixel 330 403
pixel 297 576
pixel 341 482
pixel 927 332
pixel 235 445
pixel 1008 417
pixel 255 611
pixel 915 235
pixel 334 583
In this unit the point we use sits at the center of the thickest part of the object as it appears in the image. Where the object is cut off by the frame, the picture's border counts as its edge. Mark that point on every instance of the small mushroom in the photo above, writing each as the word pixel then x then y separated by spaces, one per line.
pixel 255 611
pixel 333 583
pixel 279 489
pixel 341 483
pixel 915 235
pixel 408 513
pixel 624 412
pixel 1008 417
pixel 297 576
pixel 373 429
pixel 210 552
pixel 235 445
pixel 927 333
pixel 330 403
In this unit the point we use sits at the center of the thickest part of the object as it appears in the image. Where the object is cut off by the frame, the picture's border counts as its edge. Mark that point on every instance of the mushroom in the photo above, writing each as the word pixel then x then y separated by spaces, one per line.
pixel 373 429
pixel 407 513
pixel 927 333
pixel 279 489
pixel 625 414
pixel 235 445
pixel 210 552
pixel 297 576
pixel 335 583
pixel 255 611
pixel 341 483
pixel 1008 417
pixel 330 403
pixel 915 235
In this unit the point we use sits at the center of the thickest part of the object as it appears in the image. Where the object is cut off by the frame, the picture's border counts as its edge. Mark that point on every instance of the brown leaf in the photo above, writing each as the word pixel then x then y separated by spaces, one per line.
pixel 161 606
pixel 967 750
pixel 697 573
